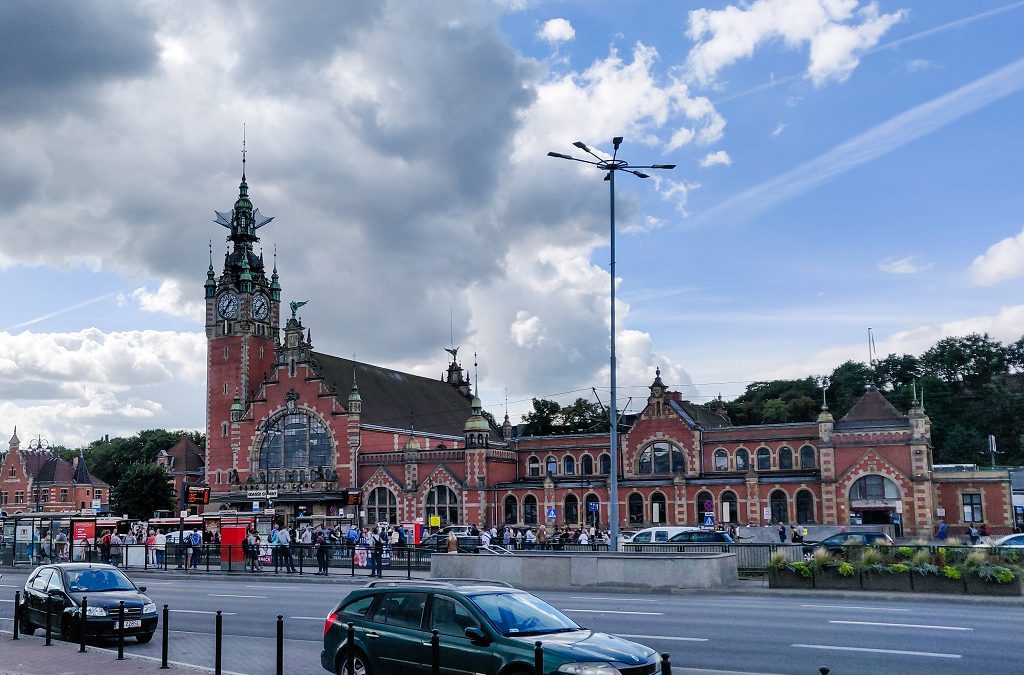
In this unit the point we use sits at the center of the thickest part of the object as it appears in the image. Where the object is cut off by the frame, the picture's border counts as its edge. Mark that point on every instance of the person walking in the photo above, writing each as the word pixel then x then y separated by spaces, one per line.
pixel 275 553
pixel 943 532
pixel 161 547
pixel 284 545
pixel 377 552
pixel 115 549
pixel 151 547
pixel 782 533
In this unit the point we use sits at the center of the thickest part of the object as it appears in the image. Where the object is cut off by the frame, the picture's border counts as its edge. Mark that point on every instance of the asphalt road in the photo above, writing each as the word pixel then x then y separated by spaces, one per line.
pixel 734 633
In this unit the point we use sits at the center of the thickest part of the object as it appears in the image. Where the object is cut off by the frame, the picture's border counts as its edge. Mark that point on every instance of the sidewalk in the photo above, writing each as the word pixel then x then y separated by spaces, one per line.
pixel 30 656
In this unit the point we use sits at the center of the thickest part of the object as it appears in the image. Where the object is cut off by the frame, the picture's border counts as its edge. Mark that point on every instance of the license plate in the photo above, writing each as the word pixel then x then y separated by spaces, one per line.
pixel 130 623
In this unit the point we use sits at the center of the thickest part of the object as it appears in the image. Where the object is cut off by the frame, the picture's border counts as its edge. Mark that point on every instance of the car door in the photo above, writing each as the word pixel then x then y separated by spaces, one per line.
pixel 398 644
pixel 55 586
pixel 459 655
pixel 36 596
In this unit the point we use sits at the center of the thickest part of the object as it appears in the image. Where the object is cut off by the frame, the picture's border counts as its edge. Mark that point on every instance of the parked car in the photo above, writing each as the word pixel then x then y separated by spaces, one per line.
pixel 483 627
pixel 835 543
pixel 654 535
pixel 104 585
pixel 701 537
pixel 626 536
pixel 439 542
pixel 1009 541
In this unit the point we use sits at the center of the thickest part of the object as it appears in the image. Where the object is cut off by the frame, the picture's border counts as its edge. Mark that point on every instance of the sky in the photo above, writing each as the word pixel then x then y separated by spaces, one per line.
pixel 841 165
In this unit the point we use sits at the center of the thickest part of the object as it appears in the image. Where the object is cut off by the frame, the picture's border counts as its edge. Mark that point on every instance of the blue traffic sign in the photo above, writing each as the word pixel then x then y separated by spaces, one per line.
pixel 594 506
pixel 551 513
pixel 709 520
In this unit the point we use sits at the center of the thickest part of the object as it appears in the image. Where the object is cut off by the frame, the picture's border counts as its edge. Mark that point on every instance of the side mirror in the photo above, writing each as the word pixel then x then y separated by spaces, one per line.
pixel 142 589
pixel 476 635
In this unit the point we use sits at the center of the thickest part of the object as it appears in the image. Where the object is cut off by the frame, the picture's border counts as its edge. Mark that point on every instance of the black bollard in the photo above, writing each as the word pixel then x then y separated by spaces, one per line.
pixel 163 647
pixel 217 643
pixel 206 552
pixel 280 645
pixel 120 631
pixel 83 625
pixel 408 563
pixel 435 653
pixel 350 648
pixel 666 667
pixel 823 670
pixel 49 619
pixel 538 658
pixel 17 613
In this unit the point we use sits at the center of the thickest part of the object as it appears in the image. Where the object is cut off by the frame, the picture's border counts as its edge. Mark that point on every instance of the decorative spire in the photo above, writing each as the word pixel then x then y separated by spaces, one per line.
pixel 243 153
pixel 824 403
pixel 211 279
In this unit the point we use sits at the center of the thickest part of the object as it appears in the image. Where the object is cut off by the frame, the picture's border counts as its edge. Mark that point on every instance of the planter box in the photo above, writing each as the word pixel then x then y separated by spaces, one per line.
pixel 788 579
pixel 936 583
pixel 829 578
pixel 979 586
pixel 895 581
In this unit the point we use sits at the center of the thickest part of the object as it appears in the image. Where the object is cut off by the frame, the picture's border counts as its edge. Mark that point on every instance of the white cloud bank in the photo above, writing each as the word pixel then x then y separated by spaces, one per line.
pixel 556 31
pixel 1003 260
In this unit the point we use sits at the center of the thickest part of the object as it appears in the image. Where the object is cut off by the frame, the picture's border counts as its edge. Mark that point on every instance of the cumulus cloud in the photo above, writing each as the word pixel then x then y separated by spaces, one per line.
pixel 170 298
pixel 1003 260
pixel 907 265
pixel 719 158
pixel 556 31
pixel 836 31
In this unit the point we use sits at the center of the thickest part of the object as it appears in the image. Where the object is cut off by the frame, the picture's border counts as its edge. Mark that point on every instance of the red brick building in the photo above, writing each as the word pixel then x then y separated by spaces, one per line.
pixel 315 433
pixel 39 480
pixel 185 464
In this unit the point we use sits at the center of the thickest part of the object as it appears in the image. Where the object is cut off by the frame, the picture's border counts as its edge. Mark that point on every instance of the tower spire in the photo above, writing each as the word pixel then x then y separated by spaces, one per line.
pixel 243 152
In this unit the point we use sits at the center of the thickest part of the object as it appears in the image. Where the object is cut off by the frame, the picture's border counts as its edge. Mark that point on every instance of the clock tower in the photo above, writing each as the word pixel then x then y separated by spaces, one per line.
pixel 242 325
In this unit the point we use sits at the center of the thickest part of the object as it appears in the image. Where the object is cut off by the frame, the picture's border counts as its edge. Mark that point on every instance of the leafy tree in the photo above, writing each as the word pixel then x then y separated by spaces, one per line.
pixel 846 385
pixel 896 371
pixel 582 415
pixel 971 360
pixel 774 411
pixel 795 394
pixel 143 489
pixel 543 419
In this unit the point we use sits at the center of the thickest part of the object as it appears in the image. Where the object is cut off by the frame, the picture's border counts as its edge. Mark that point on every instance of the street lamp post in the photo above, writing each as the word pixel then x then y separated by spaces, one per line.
pixel 611 166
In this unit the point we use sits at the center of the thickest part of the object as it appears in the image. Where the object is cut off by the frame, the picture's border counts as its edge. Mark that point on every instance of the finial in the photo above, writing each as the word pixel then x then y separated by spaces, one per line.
pixel 243 150
pixel 476 374
pixel 275 258
pixel 922 398
pixel 211 254
pixel 913 389
pixel 824 403
pixel 657 372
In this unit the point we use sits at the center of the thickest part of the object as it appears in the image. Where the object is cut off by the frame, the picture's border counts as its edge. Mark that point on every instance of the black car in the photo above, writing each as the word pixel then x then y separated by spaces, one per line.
pixel 105 586
pixel 836 542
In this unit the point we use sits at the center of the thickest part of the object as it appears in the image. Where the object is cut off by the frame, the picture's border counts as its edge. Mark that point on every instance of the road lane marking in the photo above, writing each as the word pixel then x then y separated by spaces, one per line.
pixel 9 586
pixel 280 588
pixel 586 597
pixel 869 609
pixel 899 625
pixel 612 611
pixel 663 637
pixel 200 611
pixel 872 650
pixel 10 601
pixel 309 618
pixel 232 595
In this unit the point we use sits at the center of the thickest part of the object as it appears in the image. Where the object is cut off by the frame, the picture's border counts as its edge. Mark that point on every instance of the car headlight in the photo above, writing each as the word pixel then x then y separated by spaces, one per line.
pixel 592 668
pixel 149 608
pixel 95 611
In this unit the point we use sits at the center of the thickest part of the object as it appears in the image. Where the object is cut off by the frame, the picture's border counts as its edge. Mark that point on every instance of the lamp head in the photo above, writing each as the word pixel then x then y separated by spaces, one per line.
pixel 582 146
pixel 558 155
pixel 663 166
pixel 617 141
pixel 639 174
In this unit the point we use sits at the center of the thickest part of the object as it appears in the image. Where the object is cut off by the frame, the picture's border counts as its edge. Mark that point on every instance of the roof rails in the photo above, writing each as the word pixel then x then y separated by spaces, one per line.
pixel 439 583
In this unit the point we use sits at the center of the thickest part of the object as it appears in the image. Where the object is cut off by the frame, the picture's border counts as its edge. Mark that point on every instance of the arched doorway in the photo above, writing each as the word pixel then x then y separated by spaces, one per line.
pixel 511 510
pixel 704 503
pixel 635 505
pixel 804 507
pixel 730 508
pixel 779 503
pixel 593 513
pixel 875 500
pixel 659 516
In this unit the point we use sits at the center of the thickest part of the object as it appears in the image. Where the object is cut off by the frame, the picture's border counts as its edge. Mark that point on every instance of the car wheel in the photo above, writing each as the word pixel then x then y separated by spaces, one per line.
pixel 27 627
pixel 145 637
pixel 359 664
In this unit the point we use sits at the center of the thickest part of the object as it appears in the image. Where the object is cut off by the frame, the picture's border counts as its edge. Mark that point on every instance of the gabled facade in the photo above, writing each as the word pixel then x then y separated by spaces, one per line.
pixel 39 480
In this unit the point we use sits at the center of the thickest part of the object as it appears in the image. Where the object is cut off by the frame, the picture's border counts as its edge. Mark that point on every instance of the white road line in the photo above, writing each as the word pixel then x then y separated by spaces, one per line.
pixel 9 586
pixel 899 625
pixel 612 611
pixel 309 618
pixel 663 637
pixel 10 601
pixel 858 607
pixel 232 595
pixel 587 597
pixel 295 587
pixel 902 652
pixel 708 671
pixel 200 611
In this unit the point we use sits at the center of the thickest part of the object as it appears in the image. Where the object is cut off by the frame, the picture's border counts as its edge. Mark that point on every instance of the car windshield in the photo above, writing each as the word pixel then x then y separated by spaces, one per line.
pixel 97 581
pixel 522 614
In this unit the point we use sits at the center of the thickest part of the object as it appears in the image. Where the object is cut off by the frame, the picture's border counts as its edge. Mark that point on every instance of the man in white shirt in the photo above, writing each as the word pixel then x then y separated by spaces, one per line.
pixel 284 547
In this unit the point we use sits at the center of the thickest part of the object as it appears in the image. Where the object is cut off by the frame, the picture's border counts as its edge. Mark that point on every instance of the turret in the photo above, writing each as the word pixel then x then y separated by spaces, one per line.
pixel 477 431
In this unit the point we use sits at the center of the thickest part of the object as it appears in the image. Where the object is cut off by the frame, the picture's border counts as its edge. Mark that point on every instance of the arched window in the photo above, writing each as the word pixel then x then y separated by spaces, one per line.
pixel 704 503
pixel 593 510
pixel 742 459
pixel 785 457
pixel 764 459
pixel 778 502
pixel 511 510
pixel 442 501
pixel 605 463
pixel 874 487
pixel 572 510
pixel 804 507
pixel 551 465
pixel 807 457
pixel 293 441
pixel 586 465
pixel 530 510
pixel 636 508
pixel 721 460
pixel 533 467
pixel 382 506
pixel 659 516
pixel 730 508
pixel 661 457
pixel 568 465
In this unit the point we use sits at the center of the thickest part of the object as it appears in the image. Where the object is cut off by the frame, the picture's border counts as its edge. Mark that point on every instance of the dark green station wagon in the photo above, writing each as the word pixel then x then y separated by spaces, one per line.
pixel 483 627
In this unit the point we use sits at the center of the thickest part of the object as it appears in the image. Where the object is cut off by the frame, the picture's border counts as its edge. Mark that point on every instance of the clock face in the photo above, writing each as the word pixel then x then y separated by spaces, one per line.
pixel 228 305
pixel 260 306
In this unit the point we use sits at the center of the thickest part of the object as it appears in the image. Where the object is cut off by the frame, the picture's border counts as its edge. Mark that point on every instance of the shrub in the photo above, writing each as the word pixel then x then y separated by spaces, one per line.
pixel 975 558
pixel 919 543
pixel 996 573
pixel 951 572
pixel 900 567
pixel 870 557
pixel 821 559
pixel 920 558
pixel 904 551
pixel 1009 555
pixel 778 561
pixel 940 557
pixel 846 569
pixel 802 569
pixel 1005 575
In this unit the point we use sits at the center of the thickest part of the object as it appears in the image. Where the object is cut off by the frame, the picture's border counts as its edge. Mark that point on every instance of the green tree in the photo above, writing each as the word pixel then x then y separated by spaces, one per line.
pixel 774 411
pixel 543 419
pixel 846 385
pixel 582 415
pixel 142 490
pixel 971 360
pixel 896 371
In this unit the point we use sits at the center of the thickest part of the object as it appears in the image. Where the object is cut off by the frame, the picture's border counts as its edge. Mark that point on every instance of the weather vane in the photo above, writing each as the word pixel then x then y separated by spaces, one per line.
pixel 295 305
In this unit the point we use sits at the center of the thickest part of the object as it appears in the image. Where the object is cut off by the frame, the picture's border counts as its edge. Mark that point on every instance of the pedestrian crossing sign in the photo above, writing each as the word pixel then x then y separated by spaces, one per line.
pixel 709 519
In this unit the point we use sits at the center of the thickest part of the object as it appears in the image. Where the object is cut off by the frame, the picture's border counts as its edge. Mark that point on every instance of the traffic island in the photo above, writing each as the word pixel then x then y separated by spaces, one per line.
pixel 561 571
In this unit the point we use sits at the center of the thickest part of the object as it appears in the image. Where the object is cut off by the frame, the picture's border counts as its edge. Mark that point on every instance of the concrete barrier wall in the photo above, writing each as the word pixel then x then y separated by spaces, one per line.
pixel 552 572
